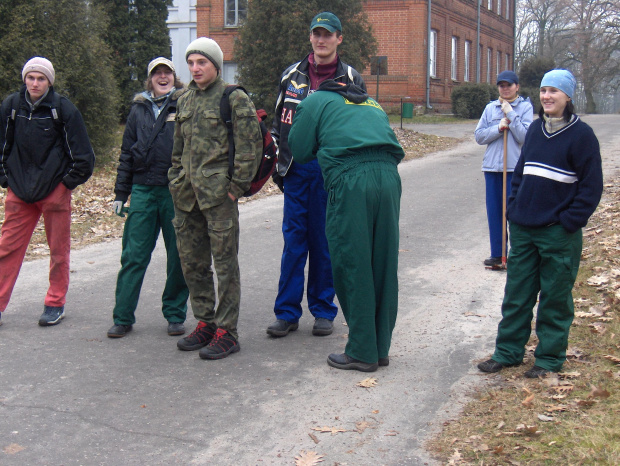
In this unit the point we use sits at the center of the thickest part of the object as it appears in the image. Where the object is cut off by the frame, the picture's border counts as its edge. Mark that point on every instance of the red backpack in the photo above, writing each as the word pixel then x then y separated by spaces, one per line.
pixel 268 159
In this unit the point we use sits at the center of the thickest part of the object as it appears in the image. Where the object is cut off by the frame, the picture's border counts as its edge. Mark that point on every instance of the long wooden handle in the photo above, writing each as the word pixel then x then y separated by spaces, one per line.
pixel 504 179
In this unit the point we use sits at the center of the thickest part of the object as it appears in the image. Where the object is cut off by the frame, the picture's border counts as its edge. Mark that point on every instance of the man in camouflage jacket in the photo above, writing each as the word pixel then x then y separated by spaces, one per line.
pixel 205 197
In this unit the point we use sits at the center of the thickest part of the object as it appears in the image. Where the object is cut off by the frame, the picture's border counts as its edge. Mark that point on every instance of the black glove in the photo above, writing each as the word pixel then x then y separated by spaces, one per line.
pixel 278 180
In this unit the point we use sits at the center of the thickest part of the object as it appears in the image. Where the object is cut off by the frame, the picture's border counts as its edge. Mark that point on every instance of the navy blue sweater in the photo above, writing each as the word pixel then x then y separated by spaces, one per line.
pixel 558 178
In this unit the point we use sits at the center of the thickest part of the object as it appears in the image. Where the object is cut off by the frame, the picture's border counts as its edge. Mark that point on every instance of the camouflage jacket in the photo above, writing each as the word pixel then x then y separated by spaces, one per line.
pixel 199 171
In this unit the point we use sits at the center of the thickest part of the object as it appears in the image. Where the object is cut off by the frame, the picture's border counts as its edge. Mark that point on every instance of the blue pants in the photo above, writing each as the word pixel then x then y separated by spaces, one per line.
pixel 493 181
pixel 303 228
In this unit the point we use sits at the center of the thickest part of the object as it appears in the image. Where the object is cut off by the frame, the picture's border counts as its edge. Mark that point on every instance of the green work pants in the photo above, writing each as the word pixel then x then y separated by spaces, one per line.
pixel 202 235
pixel 150 211
pixel 546 261
pixel 363 209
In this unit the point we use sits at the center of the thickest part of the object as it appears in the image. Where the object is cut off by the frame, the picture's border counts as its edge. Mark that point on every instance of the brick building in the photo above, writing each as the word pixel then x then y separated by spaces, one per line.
pixel 467 42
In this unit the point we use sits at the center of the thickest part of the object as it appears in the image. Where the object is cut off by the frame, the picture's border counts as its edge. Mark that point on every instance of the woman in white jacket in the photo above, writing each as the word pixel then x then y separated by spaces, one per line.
pixel 514 114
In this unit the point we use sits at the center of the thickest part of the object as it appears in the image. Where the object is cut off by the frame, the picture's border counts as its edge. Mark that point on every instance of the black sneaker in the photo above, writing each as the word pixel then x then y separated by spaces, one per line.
pixel 343 361
pixel 51 316
pixel 119 331
pixel 221 346
pixel 322 327
pixel 493 261
pixel 493 366
pixel 0 318
pixel 201 336
pixel 176 328
pixel 384 361
pixel 536 372
pixel 280 328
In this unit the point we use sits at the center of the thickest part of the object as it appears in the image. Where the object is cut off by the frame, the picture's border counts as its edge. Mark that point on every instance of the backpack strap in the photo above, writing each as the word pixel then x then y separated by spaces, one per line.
pixel 226 116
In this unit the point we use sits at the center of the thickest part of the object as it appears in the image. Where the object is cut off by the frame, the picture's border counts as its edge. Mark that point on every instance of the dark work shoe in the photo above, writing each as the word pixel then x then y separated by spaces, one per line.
pixel 176 328
pixel 51 316
pixel 493 366
pixel 322 327
pixel 493 261
pixel 536 372
pixel 201 336
pixel 0 318
pixel 342 361
pixel 221 346
pixel 119 331
pixel 384 361
pixel 280 328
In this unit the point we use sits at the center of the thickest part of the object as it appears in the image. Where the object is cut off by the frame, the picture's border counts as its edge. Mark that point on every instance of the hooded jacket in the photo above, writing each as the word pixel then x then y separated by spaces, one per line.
pixel 487 132
pixel 140 164
pixel 37 153
pixel 341 126
pixel 295 87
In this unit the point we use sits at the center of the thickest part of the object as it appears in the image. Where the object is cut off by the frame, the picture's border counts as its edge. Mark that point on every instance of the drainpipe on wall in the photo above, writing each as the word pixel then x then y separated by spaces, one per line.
pixel 478 43
pixel 514 35
pixel 428 57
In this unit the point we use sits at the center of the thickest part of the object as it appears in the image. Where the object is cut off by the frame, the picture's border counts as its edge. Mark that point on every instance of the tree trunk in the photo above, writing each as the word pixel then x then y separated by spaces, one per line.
pixel 590 104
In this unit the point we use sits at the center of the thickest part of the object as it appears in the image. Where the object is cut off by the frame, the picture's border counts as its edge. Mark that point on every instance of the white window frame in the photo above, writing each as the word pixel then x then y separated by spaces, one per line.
pixel 432 53
pixel 466 60
pixel 489 63
pixel 239 13
pixel 454 58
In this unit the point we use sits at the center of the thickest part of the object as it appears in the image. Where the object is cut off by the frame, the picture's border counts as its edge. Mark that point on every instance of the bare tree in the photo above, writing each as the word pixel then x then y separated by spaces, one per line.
pixel 583 35
pixel 595 34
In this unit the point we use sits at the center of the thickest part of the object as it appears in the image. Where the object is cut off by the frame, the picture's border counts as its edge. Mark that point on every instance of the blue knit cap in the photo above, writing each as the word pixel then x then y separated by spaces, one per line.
pixel 560 79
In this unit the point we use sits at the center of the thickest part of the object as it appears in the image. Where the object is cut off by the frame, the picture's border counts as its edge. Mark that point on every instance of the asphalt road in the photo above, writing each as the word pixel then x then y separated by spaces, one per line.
pixel 69 395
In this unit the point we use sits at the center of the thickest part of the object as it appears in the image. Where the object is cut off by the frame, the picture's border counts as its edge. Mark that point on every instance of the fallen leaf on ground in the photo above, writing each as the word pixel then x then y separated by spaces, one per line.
pixel 367 383
pixel 333 430
pixel 314 438
pixel 544 418
pixel 529 401
pixel 12 449
pixel 362 426
pixel 598 392
pixel 308 458
pixel 613 359
pixel 569 375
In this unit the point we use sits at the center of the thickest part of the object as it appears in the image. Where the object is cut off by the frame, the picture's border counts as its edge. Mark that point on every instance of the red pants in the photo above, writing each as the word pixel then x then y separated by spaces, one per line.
pixel 20 220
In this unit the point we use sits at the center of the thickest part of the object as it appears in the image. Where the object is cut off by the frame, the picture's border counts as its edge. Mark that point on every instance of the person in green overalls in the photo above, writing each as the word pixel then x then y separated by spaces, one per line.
pixel 357 150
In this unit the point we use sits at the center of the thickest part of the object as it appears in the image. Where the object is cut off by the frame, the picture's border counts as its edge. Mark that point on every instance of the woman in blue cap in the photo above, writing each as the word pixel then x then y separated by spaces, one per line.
pixel 510 115
pixel 556 186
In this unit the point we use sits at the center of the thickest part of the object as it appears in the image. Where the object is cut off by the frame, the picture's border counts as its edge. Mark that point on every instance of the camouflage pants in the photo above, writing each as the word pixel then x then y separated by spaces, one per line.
pixel 202 235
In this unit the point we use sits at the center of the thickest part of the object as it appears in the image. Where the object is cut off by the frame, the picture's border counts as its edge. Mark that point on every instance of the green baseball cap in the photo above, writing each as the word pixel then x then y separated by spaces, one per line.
pixel 326 20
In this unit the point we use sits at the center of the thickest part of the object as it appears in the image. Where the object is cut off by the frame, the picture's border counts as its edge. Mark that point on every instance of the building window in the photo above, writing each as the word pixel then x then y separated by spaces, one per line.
pixel 466 62
pixel 236 12
pixel 499 63
pixel 507 9
pixel 480 56
pixel 507 62
pixel 490 5
pixel 453 60
pixel 229 72
pixel 489 59
pixel 432 53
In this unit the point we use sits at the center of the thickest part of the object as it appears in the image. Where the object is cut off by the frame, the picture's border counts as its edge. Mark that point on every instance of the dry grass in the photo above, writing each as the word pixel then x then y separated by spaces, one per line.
pixel 94 222
pixel 569 419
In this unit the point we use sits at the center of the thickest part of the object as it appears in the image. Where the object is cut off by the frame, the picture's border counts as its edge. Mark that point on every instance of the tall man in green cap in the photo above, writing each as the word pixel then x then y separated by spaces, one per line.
pixel 350 135
pixel 303 224
pixel 205 197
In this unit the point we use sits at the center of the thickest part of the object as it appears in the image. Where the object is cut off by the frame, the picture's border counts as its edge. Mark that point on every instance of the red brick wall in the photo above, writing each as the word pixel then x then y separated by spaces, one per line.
pixel 400 29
